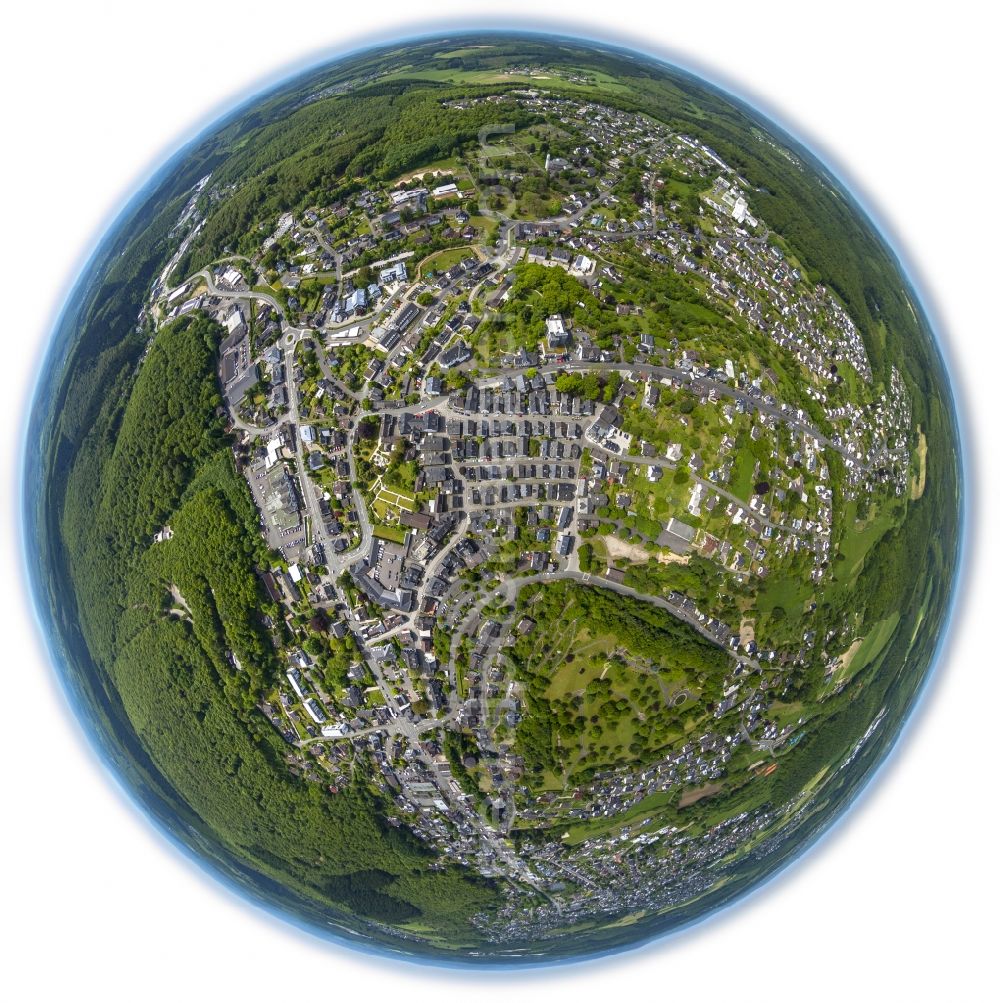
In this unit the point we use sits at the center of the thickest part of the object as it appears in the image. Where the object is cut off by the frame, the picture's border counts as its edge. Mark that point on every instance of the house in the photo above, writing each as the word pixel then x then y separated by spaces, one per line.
pixel 356 301
pixel 694 504
pixel 458 353
pixel 582 265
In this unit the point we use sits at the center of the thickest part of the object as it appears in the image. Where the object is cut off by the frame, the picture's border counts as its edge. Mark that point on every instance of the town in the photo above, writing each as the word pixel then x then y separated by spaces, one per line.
pixel 477 404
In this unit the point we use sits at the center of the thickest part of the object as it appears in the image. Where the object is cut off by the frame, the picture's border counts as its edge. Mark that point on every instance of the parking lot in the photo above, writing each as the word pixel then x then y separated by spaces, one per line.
pixel 290 541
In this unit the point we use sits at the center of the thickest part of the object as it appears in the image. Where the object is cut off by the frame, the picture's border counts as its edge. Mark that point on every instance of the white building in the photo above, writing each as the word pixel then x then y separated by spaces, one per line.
pixel 694 505
pixel 583 265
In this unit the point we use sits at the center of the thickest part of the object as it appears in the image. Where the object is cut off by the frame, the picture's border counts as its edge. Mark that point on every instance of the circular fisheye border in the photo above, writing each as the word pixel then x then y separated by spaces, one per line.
pixel 52 353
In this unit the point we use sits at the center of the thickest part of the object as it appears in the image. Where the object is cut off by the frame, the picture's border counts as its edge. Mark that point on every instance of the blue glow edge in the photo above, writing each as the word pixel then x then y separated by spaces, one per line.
pixel 52 353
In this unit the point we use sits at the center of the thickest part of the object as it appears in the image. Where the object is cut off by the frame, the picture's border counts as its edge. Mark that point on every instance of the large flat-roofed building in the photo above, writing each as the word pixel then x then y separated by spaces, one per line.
pixel 393 273
pixel 555 332
pixel 281 504
pixel 678 536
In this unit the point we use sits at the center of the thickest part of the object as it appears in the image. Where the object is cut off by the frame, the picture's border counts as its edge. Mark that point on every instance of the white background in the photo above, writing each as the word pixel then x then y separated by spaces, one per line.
pixel 901 900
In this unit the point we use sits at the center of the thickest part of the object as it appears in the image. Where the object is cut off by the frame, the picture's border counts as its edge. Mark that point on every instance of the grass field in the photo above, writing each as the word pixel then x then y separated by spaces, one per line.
pixel 742 480
pixel 441 261
pixel 870 648
pixel 694 794
pixel 469 50
pixel 787 592
pixel 459 76
pixel 861 536
pixel 393 533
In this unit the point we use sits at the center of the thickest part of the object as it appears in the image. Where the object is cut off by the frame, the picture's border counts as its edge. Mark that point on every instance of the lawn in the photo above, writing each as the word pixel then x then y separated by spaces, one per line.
pixel 742 479
pixel 860 536
pixel 388 503
pixel 878 637
pixel 784 591
pixel 582 661
pixel 664 498
pixel 441 261
pixel 394 533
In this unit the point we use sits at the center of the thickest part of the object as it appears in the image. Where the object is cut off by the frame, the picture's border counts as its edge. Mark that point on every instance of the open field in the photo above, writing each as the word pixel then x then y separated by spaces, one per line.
pixel 441 261
pixel 862 535
pixel 630 551
pixel 919 480
pixel 872 645
pixel 693 794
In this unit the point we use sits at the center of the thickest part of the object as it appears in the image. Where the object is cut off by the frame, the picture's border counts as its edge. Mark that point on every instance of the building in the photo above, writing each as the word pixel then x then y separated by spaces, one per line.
pixel 281 503
pixel 356 301
pixel 455 355
pixel 555 332
pixel 415 520
pixel 393 273
pixel 378 575
pixel 678 536
pixel 583 265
